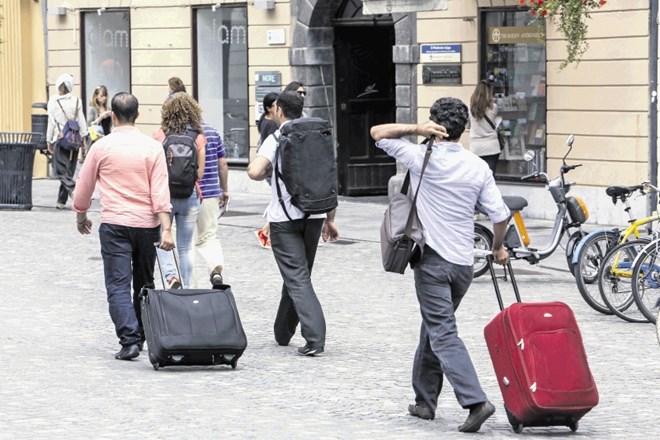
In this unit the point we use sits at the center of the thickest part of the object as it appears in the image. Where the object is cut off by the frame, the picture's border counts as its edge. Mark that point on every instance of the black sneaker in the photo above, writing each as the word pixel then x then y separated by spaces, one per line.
pixel 422 411
pixel 310 351
pixel 478 415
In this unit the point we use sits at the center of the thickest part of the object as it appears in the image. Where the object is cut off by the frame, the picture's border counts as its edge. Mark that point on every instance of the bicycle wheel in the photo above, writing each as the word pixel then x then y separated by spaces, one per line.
pixel 646 289
pixel 614 280
pixel 589 258
pixel 483 239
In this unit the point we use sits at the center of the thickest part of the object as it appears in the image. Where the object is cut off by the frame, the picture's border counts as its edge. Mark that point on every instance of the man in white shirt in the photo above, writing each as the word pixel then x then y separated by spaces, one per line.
pixel 454 180
pixel 294 239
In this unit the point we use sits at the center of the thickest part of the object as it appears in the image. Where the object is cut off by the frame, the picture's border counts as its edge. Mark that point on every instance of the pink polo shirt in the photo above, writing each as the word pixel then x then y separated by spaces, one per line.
pixel 132 175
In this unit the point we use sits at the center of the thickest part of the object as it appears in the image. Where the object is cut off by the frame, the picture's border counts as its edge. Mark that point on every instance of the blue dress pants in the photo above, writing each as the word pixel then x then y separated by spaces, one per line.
pixel 440 287
pixel 129 256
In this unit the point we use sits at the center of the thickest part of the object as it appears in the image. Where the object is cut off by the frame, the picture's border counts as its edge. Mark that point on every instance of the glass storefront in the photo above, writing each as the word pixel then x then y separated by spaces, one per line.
pixel 221 75
pixel 106 39
pixel 514 59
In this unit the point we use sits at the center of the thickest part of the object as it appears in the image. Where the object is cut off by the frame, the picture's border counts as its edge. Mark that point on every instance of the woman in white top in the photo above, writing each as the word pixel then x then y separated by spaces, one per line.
pixel 483 137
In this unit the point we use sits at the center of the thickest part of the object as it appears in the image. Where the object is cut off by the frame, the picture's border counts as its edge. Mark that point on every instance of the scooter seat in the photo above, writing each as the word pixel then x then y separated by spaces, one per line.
pixel 515 203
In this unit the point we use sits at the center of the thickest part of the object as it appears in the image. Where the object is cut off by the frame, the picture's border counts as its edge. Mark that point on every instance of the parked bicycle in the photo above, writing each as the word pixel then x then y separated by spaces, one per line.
pixel 646 281
pixel 571 214
pixel 615 280
pixel 592 249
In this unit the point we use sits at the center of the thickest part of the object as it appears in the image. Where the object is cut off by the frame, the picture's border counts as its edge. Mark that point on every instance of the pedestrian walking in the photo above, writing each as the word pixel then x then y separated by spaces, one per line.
pixel 267 127
pixel 215 194
pixel 65 135
pixel 135 213
pixel 99 119
pixel 483 124
pixel 454 180
pixel 294 238
pixel 185 149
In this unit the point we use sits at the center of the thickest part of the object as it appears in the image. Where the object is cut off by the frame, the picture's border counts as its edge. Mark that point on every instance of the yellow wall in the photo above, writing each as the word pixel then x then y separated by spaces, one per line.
pixel 22 68
pixel 603 100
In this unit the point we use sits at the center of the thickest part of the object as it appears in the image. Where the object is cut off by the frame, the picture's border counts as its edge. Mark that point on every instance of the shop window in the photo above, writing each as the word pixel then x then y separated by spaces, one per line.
pixel 514 59
pixel 106 39
pixel 221 74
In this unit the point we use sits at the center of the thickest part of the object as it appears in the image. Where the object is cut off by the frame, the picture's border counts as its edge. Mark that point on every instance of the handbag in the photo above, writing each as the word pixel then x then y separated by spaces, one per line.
pixel 401 236
pixel 96 132
pixel 501 137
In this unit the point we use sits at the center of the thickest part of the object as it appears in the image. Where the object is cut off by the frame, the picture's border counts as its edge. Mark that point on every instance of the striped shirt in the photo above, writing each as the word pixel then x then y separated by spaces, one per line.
pixel 215 149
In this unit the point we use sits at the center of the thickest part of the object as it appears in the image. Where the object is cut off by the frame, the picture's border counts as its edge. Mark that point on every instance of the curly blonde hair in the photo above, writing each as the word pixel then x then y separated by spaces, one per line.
pixel 179 113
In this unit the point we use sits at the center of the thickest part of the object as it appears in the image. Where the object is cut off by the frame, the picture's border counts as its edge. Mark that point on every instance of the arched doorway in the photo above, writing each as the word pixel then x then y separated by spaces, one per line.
pixel 345 60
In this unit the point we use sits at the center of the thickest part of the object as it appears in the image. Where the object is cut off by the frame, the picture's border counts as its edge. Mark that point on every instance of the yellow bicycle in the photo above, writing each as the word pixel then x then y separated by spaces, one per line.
pixel 591 250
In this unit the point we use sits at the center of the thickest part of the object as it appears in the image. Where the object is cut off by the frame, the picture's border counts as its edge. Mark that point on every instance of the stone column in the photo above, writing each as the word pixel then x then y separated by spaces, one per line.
pixel 405 56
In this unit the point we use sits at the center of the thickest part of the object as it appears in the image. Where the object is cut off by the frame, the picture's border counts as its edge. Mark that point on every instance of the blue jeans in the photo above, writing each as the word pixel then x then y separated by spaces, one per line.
pixel 184 215
pixel 440 287
pixel 294 245
pixel 129 256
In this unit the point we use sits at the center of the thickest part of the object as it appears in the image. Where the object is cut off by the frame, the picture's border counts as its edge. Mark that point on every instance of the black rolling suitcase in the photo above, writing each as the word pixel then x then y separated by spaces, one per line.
pixel 192 326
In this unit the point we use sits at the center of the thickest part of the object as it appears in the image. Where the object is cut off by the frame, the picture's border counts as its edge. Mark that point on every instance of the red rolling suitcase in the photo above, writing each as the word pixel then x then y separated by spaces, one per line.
pixel 540 362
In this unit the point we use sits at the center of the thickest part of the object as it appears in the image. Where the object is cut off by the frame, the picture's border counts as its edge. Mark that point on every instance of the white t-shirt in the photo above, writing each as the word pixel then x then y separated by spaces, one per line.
pixel 274 212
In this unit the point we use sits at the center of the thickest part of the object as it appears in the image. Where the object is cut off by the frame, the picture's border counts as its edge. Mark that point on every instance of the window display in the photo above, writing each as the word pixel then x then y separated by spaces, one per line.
pixel 221 75
pixel 513 59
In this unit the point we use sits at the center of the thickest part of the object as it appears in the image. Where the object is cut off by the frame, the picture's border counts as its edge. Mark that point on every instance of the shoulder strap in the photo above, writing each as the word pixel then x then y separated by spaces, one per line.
pixel 413 210
pixel 60 104
pixel 278 176
pixel 489 122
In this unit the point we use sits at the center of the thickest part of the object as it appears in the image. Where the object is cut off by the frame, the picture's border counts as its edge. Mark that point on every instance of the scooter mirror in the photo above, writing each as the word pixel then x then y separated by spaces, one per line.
pixel 569 140
pixel 529 155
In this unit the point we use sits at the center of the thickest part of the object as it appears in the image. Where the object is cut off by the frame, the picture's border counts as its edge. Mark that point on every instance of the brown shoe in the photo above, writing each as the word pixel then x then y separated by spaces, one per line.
pixel 478 415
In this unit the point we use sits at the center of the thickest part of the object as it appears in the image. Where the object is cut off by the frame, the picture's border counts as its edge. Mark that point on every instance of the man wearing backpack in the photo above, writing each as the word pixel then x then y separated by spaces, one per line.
pixel 66 134
pixel 294 239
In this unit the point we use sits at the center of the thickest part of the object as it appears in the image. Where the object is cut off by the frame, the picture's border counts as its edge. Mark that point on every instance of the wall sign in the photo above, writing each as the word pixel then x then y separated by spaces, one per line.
pixel 261 91
pixel 442 74
pixel 440 53
pixel 515 34
pixel 397 6
pixel 268 78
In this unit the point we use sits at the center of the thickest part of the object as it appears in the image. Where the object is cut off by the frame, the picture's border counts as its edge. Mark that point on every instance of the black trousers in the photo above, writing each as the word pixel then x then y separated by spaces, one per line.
pixel 294 245
pixel 65 162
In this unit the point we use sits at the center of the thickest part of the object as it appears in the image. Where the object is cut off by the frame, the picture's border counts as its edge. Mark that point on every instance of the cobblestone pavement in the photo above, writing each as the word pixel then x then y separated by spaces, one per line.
pixel 60 380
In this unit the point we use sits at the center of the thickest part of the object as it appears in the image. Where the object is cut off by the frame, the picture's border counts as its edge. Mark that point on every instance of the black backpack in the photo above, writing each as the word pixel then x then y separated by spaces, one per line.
pixel 308 166
pixel 182 162
pixel 71 138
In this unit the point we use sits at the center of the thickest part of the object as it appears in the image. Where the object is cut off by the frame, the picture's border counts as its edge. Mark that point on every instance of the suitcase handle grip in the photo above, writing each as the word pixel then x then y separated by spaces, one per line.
pixel 498 294
pixel 160 266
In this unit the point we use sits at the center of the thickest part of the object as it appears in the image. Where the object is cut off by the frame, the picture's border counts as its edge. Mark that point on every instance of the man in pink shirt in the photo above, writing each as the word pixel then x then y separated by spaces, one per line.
pixel 135 213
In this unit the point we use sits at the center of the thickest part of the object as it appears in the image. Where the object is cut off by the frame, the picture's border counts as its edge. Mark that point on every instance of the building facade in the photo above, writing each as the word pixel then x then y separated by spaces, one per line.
pixel 360 70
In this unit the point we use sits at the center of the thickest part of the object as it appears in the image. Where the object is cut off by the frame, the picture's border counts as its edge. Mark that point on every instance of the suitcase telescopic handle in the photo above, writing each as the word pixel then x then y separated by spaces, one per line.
pixel 498 294
pixel 160 266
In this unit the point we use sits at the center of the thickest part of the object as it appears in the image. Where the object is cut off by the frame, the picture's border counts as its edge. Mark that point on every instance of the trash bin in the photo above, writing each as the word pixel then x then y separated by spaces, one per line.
pixel 40 125
pixel 16 163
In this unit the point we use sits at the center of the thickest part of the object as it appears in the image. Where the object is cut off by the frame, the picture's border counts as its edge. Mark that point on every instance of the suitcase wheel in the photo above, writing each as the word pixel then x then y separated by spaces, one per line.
pixel 515 423
pixel 234 362
pixel 154 361
pixel 155 366
pixel 573 426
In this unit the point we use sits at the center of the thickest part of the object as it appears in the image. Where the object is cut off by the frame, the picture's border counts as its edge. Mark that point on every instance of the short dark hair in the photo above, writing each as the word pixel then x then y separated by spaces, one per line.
pixel 451 113
pixel 293 86
pixel 291 104
pixel 269 99
pixel 125 107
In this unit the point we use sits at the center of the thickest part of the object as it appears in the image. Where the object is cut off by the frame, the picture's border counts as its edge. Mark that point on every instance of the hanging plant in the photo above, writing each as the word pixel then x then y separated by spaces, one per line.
pixel 570 16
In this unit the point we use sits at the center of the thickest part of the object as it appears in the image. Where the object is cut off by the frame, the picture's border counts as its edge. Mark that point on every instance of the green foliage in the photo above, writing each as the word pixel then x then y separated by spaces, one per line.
pixel 570 17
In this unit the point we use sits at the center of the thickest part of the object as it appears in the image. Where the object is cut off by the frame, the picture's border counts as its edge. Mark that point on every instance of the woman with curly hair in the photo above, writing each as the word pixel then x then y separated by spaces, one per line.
pixel 181 116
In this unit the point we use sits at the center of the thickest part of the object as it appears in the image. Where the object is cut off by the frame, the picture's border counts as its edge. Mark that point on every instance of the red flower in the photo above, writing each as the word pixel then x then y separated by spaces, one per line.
pixel 601 3
pixel 522 2
pixel 540 3
pixel 533 12
pixel 544 12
